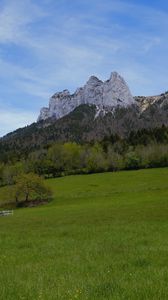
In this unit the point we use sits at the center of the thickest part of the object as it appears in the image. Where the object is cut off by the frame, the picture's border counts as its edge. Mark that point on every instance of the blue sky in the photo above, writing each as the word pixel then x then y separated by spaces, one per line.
pixel 49 45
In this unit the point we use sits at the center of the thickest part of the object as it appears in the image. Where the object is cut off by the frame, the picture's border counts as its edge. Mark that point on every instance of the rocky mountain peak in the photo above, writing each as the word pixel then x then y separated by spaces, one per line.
pixel 117 91
pixel 114 75
pixel 62 94
pixel 108 94
pixel 93 80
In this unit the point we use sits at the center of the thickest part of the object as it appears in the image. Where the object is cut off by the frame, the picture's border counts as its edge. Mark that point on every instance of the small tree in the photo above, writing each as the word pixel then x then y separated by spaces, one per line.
pixel 31 187
pixel 96 159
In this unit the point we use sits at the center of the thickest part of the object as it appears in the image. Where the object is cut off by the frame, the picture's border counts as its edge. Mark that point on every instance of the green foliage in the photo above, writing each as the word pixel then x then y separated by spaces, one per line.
pixel 1 173
pixel 115 160
pixel 132 161
pixel 96 160
pixel 11 171
pixel 30 187
pixel 71 154
pixel 145 148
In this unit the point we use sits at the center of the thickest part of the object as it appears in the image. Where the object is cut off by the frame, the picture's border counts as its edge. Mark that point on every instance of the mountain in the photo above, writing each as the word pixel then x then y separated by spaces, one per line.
pixel 104 95
pixel 100 109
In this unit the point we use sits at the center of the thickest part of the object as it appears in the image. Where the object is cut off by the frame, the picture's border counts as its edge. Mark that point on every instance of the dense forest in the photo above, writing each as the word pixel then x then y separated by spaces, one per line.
pixel 146 148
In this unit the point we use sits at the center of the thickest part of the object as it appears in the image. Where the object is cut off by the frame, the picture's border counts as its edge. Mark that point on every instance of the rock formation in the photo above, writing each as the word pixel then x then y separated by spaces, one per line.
pixel 105 95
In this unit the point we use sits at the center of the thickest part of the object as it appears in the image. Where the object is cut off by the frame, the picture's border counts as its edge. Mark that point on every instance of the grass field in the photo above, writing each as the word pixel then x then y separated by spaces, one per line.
pixel 105 236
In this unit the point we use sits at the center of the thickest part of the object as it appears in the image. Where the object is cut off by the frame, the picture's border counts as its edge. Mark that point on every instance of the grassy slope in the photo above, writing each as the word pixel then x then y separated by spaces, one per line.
pixel 103 237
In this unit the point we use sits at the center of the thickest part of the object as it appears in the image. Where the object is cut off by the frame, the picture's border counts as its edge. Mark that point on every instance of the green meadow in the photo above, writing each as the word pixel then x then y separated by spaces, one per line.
pixel 104 236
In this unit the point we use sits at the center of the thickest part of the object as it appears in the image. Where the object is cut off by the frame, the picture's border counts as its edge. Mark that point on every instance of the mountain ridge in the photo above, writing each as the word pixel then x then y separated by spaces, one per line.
pixel 103 94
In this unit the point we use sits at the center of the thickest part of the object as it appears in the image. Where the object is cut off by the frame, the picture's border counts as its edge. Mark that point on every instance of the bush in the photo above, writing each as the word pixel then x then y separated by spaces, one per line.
pixel 132 161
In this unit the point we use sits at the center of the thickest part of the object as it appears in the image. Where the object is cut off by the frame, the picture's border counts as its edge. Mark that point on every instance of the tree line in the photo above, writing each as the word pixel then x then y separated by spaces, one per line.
pixel 142 149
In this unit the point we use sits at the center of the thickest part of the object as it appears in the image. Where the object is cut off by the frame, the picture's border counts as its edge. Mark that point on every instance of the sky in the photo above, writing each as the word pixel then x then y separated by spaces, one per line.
pixel 47 46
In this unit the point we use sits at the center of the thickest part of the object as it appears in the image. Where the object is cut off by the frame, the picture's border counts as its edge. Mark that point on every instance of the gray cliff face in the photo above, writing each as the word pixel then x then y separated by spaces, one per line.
pixel 109 94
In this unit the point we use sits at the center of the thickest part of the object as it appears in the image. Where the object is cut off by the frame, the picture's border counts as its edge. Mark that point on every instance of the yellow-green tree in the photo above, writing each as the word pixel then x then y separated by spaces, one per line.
pixel 31 187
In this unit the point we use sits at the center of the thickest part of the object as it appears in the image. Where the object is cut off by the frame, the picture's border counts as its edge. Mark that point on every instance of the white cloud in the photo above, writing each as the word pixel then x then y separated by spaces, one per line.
pixel 15 16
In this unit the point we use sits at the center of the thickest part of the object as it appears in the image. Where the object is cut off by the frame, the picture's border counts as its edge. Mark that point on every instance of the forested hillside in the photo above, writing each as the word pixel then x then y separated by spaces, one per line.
pixel 142 149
